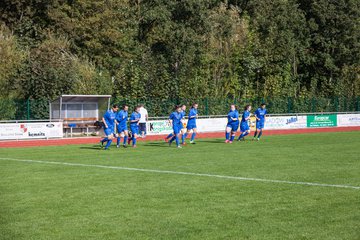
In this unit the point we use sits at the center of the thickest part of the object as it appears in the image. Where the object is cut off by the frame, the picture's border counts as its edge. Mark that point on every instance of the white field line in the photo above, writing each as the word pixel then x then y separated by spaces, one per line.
pixel 184 173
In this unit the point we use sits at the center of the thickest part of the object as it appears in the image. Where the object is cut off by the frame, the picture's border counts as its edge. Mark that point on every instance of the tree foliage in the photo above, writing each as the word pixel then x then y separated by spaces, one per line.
pixel 171 49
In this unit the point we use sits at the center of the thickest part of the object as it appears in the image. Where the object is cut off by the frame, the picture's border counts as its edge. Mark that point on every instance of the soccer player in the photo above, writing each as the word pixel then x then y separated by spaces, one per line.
pixel 175 120
pixel 121 121
pixel 134 125
pixel 191 124
pixel 260 120
pixel 244 125
pixel 109 126
pixel 183 113
pixel 232 125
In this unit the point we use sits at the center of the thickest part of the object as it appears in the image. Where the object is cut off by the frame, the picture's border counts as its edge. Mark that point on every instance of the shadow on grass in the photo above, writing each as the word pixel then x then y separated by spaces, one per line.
pixel 156 144
pixel 212 141
pixel 95 147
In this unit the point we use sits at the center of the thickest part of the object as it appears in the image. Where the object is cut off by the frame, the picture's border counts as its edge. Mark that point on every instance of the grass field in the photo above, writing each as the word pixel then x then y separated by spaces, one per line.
pixel 86 200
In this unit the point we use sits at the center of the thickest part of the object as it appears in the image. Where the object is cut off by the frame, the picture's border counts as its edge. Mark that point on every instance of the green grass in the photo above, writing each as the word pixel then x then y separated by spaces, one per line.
pixel 46 201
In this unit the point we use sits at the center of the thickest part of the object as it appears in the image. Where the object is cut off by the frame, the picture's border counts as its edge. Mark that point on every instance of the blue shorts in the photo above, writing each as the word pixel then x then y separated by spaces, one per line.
pixel 108 131
pixel 177 129
pixel 121 129
pixel 134 129
pixel 244 126
pixel 191 126
pixel 260 124
pixel 234 127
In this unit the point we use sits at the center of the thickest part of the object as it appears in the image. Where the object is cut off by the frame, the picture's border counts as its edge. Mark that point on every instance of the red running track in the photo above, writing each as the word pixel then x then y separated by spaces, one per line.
pixel 95 140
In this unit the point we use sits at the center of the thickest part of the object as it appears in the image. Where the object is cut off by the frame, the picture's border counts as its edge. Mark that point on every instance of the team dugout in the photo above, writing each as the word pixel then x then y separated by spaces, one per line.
pixel 79 113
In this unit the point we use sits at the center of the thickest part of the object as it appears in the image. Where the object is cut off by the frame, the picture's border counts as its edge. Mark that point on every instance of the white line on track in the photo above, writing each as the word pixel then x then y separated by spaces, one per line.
pixel 184 173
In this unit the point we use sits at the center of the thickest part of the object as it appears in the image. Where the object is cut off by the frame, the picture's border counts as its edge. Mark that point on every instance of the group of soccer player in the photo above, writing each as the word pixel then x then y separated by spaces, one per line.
pixel 234 122
pixel 113 118
pixel 177 120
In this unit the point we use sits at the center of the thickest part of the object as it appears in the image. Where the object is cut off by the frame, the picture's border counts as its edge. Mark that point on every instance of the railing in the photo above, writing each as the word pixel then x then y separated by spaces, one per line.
pixel 30 121
pixel 200 117
pixel 11 109
pixel 269 115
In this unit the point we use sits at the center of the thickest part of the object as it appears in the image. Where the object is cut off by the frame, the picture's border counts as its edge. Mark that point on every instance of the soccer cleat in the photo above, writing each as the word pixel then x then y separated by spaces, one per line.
pixel 117 146
pixel 258 139
pixel 179 146
pixel 184 143
pixel 101 144
pixel 230 141
pixel 124 146
pixel 239 139
pixel 227 141
pixel 134 146
pixel 192 142
pixel 106 148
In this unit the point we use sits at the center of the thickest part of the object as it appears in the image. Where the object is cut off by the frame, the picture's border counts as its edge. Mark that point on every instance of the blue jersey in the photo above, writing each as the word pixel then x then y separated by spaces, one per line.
pixel 176 118
pixel 233 114
pixel 121 117
pixel 245 115
pixel 260 113
pixel 134 116
pixel 192 116
pixel 109 117
pixel 183 113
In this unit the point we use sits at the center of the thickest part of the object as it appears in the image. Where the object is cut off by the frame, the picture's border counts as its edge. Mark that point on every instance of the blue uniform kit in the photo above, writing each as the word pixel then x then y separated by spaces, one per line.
pixel 176 117
pixel 109 128
pixel 179 126
pixel 176 121
pixel 260 122
pixel 260 113
pixel 233 124
pixel 244 125
pixel 191 124
pixel 110 122
pixel 134 127
pixel 121 119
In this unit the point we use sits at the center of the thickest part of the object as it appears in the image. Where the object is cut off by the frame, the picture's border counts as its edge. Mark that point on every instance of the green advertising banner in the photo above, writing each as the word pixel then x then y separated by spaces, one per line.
pixel 322 120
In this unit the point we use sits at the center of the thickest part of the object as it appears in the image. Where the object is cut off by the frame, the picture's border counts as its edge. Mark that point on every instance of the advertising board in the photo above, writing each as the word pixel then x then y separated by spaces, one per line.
pixel 314 121
pixel 31 130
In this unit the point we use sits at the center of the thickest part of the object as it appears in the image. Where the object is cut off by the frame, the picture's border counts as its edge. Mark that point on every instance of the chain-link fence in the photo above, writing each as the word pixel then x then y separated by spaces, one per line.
pixel 28 109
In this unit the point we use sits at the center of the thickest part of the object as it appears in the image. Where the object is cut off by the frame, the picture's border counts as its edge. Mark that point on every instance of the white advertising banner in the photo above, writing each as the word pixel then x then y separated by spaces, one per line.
pixel 31 130
pixel 290 122
pixel 211 124
pixel 159 127
pixel 347 120
pixel 219 124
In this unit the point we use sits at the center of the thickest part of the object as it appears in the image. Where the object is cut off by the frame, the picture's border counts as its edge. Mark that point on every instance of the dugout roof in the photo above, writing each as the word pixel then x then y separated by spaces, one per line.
pixel 79 107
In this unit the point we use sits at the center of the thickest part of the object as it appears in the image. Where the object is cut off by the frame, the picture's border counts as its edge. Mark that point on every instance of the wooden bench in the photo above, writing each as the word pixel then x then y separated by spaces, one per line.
pixel 79 123
pixel 79 119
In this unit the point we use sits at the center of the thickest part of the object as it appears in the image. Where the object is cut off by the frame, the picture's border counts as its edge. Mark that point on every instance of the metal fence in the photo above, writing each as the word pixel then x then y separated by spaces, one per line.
pixel 28 109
